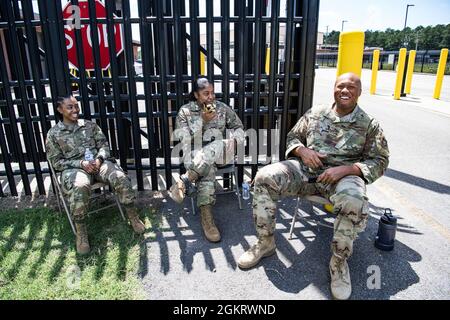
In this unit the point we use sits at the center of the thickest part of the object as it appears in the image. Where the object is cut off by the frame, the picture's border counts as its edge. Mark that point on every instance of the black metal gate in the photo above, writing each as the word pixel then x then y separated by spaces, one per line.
pixel 136 99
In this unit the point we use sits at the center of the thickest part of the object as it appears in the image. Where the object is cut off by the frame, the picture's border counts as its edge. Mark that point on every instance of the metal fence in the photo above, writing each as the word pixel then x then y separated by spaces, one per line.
pixel 426 60
pixel 136 99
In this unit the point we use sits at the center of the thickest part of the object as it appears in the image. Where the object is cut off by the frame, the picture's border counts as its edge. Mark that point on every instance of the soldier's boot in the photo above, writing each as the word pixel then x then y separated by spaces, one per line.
pixel 208 225
pixel 136 223
pixel 341 286
pixel 82 238
pixel 265 247
pixel 183 186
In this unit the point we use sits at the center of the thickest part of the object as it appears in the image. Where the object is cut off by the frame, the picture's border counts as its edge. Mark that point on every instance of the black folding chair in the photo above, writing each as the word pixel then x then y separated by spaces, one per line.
pixel 63 202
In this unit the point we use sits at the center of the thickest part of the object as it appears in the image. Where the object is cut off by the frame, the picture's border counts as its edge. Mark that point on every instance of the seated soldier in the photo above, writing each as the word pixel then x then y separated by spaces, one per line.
pixel 66 145
pixel 345 149
pixel 200 120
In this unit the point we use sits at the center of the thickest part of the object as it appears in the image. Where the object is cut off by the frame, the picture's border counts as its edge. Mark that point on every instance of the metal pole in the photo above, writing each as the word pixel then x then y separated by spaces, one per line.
pixel 403 94
pixel 406 16
pixel 342 28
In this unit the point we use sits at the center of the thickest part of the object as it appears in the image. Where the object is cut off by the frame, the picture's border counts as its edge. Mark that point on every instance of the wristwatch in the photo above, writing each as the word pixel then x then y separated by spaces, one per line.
pixel 101 159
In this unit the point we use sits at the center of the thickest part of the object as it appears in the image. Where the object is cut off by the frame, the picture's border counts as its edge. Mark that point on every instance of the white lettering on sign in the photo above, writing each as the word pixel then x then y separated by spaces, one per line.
pixel 102 35
pixel 69 38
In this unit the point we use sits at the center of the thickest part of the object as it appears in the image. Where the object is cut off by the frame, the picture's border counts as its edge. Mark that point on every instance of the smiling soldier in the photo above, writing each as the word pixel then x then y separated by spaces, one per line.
pixel 66 144
pixel 345 149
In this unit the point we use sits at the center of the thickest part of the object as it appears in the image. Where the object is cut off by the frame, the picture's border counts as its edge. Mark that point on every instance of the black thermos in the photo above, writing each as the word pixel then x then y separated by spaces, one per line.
pixel 386 231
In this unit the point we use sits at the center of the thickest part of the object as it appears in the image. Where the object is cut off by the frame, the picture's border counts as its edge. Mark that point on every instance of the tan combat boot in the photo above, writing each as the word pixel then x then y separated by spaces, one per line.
pixel 82 238
pixel 341 286
pixel 183 186
pixel 136 223
pixel 263 248
pixel 207 221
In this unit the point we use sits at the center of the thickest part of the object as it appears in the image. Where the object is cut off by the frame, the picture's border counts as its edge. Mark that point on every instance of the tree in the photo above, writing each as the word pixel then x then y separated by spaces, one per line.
pixel 332 38
pixel 445 37
pixel 428 38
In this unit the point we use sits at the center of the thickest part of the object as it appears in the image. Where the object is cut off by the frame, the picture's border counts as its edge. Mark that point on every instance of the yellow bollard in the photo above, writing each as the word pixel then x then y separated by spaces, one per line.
pixel 328 207
pixel 267 60
pixel 400 70
pixel 440 73
pixel 375 61
pixel 350 54
pixel 410 71
pixel 202 63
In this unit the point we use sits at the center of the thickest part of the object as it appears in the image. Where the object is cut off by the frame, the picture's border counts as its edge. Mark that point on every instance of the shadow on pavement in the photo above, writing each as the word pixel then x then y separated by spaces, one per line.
pixel 310 266
pixel 299 263
pixel 419 182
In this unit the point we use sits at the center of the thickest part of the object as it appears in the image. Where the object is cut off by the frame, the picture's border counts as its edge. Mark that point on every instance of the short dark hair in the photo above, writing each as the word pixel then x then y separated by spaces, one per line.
pixel 199 84
pixel 60 99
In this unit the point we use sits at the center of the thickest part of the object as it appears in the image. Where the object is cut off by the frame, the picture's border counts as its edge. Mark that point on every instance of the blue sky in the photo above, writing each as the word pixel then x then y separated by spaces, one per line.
pixel 360 14
pixel 381 14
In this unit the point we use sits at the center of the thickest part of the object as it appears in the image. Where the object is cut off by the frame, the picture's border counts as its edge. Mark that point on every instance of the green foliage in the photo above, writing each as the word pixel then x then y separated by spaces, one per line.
pixel 427 38
pixel 38 259
pixel 332 38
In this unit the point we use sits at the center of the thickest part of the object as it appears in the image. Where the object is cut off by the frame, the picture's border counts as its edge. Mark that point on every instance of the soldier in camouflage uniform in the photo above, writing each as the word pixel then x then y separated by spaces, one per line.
pixel 198 121
pixel 66 144
pixel 345 149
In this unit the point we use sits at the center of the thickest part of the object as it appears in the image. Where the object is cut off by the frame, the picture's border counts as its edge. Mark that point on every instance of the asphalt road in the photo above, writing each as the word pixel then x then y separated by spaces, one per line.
pixel 180 264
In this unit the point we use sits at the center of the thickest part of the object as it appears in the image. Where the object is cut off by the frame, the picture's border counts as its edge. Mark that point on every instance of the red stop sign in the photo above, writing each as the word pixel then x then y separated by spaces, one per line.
pixel 102 31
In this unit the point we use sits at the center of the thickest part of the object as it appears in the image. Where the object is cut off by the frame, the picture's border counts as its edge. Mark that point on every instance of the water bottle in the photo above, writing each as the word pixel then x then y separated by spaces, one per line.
pixel 386 231
pixel 88 155
pixel 245 190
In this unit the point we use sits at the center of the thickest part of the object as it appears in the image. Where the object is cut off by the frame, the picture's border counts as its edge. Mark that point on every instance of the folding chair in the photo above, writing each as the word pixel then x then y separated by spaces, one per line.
pixel 312 199
pixel 63 202
pixel 231 169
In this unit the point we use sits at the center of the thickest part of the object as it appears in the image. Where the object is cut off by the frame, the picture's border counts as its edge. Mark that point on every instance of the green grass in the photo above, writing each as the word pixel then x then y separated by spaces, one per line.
pixel 38 259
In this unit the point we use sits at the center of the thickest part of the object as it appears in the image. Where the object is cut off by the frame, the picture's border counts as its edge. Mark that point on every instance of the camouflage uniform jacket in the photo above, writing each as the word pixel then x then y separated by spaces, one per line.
pixel 353 139
pixel 190 124
pixel 66 144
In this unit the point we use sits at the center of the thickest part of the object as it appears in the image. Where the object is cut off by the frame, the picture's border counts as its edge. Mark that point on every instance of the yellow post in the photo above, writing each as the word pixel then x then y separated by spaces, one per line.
pixel 400 71
pixel 202 64
pixel 375 61
pixel 440 73
pixel 267 60
pixel 350 54
pixel 410 71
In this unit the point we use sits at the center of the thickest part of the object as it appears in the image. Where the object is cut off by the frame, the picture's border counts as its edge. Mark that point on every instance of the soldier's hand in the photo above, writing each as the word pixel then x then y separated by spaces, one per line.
pixel 311 158
pixel 89 167
pixel 333 175
pixel 98 164
pixel 208 116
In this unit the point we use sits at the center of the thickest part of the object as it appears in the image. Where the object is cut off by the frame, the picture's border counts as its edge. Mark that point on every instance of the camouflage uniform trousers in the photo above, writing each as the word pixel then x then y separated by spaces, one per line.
pixel 77 185
pixel 205 163
pixel 287 178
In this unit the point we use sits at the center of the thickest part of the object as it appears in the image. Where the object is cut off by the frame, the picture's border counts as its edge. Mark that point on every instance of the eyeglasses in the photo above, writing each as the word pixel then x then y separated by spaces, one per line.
pixel 70 107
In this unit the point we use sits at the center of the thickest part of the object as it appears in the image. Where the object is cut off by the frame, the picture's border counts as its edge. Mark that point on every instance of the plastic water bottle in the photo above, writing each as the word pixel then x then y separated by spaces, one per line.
pixel 88 155
pixel 245 190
